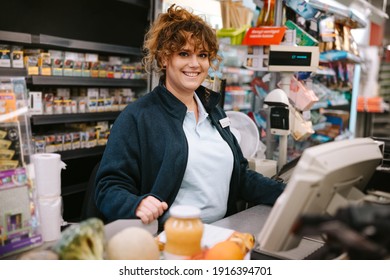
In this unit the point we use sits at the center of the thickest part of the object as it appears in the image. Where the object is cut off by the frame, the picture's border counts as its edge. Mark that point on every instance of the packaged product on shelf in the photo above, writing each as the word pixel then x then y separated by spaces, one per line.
pixel 73 106
pixel 108 104
pixel 84 136
pixel 115 66
pixel 88 65
pixel 117 71
pixel 35 102
pixel 95 66
pixel 82 105
pixel 69 61
pixel 48 102
pixel 126 71
pixel 63 92
pixel 39 144
pixel 115 99
pixel 302 8
pixel 86 69
pixel 67 141
pixel 75 140
pixel 5 56
pixel 17 57
pixel 31 58
pixel 67 106
pixel 50 143
pixel 93 96
pixel 44 64
pixel 78 64
pixel 59 142
pixel 92 138
pixel 303 38
pixel 100 105
pixel 58 105
pixel 11 153
pixel 103 103
pixel 103 66
pixel 57 62
pixel 7 103
pixel 102 137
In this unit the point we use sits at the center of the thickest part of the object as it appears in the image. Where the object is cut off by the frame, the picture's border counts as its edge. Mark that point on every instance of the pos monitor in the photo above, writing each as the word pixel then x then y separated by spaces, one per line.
pixel 326 177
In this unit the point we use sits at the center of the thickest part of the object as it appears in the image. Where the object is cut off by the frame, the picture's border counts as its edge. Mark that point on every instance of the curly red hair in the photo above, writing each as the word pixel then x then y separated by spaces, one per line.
pixel 171 31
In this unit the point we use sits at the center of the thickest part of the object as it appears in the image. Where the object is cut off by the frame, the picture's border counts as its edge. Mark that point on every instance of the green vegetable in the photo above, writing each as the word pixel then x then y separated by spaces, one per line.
pixel 83 241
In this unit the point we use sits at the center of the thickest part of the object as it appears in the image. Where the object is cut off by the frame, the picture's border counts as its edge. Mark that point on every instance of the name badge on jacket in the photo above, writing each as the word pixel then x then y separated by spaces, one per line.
pixel 224 122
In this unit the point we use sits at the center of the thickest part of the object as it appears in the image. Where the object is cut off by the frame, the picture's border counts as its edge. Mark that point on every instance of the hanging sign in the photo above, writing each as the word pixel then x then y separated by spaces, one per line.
pixel 264 36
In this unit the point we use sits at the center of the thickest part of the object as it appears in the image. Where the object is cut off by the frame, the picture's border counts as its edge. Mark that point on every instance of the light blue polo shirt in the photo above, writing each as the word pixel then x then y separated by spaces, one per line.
pixel 209 168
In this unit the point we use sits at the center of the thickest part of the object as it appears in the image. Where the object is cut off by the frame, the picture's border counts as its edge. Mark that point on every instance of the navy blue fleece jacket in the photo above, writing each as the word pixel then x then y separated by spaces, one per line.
pixel 147 152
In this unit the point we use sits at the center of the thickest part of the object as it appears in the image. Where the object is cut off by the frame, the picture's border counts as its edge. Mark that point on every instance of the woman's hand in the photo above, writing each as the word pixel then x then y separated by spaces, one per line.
pixel 150 209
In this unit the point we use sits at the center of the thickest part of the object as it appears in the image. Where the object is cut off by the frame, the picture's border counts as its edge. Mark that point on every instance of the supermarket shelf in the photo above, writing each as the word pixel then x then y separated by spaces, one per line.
pixel 81 153
pixel 85 81
pixel 13 72
pixel 339 55
pixel 54 41
pixel 340 11
pixel 15 37
pixel 73 118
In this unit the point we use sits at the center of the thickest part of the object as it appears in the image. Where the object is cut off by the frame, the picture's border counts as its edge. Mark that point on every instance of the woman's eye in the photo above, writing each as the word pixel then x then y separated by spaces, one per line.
pixel 204 55
pixel 183 53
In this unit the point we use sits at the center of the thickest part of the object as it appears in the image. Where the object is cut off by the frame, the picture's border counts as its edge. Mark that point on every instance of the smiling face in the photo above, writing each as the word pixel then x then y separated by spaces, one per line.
pixel 186 69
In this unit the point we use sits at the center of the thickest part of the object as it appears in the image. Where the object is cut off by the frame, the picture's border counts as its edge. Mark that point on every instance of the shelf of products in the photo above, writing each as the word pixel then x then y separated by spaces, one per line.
pixel 79 161
pixel 73 118
pixel 84 81
pixel 79 153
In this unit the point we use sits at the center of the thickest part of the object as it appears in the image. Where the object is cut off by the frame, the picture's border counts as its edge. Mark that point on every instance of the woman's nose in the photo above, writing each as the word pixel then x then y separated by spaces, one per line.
pixel 194 60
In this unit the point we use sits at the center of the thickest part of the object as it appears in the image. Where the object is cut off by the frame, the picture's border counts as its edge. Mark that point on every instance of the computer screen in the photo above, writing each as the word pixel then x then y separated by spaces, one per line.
pixel 327 176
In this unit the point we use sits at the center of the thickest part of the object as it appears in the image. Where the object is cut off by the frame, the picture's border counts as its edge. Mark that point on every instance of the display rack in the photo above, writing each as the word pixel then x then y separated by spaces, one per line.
pixel 19 218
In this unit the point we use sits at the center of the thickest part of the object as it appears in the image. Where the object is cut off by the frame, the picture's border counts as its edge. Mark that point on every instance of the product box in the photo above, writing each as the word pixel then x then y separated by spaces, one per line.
pixel 39 144
pixel 103 66
pixel 84 136
pixel 75 140
pixel 44 64
pixel 86 69
pixel 48 103
pixel 5 56
pixel 11 153
pixel 50 143
pixel 31 60
pixel 92 138
pixel 78 64
pixel 93 96
pixel 93 60
pixel 67 141
pixel 69 61
pixel 57 62
pixel 7 104
pixel 302 37
pixel 17 57
pixel 35 103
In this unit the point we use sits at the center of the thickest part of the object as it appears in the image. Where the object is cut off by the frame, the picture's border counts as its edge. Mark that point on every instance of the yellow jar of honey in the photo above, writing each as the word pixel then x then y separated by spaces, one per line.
pixel 184 231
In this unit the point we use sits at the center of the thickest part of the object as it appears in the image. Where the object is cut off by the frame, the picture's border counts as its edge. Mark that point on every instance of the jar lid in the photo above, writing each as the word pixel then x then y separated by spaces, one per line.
pixel 184 211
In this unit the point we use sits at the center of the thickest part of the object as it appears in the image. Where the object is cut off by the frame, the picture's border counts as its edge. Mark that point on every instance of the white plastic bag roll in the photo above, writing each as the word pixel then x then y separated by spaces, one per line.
pixel 48 168
pixel 50 217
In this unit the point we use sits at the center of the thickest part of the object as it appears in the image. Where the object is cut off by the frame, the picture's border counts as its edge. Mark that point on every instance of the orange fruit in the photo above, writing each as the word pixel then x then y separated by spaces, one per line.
pixel 224 250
